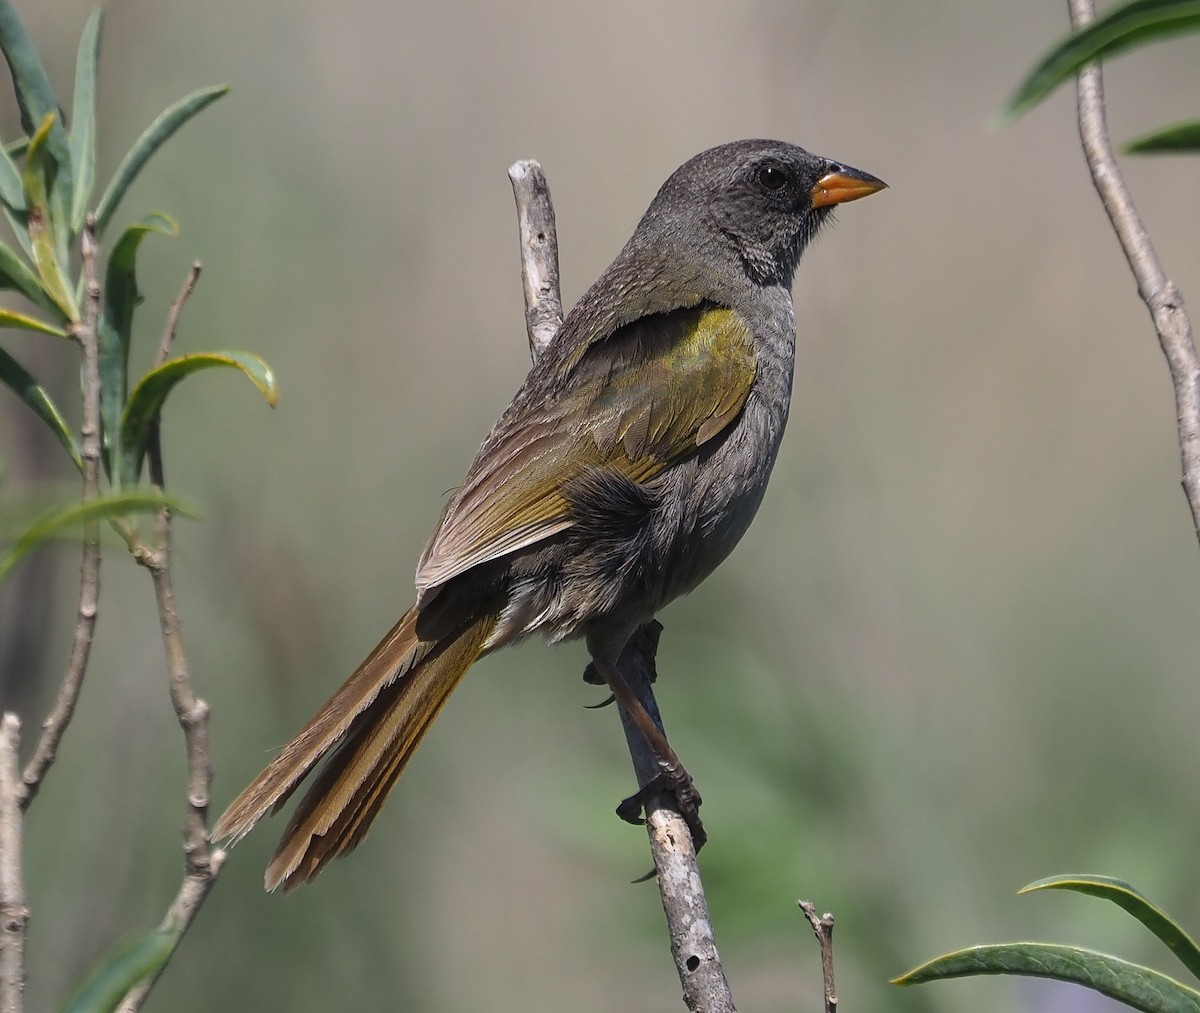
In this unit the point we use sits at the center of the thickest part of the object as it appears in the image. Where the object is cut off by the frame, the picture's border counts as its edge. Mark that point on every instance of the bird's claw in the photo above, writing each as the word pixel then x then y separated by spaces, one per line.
pixel 678 782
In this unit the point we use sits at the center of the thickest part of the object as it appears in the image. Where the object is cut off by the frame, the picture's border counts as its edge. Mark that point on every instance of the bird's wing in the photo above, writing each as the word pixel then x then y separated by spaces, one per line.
pixel 643 398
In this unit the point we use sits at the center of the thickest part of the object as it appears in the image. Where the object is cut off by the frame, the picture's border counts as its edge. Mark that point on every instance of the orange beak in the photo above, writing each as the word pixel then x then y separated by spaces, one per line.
pixel 842 184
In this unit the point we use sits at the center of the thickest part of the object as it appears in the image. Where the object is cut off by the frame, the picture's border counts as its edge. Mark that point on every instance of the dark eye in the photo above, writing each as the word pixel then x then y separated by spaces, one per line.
pixel 772 178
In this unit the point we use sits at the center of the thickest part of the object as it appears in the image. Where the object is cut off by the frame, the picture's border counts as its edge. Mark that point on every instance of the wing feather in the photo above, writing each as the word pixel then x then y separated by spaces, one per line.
pixel 638 401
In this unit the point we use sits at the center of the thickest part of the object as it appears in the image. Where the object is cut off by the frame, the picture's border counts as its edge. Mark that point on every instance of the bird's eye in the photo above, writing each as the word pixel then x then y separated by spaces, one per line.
pixel 772 178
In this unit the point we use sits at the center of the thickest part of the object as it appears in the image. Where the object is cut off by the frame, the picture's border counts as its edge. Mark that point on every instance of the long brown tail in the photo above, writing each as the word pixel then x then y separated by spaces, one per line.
pixel 375 721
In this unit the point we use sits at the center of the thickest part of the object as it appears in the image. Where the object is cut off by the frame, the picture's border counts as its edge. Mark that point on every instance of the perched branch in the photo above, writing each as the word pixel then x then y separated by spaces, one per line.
pixel 14 915
pixel 1159 294
pixel 200 864
pixel 692 944
pixel 55 723
pixel 822 926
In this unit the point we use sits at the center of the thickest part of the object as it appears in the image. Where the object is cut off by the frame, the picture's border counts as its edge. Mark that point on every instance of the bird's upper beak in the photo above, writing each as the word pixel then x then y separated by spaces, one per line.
pixel 841 184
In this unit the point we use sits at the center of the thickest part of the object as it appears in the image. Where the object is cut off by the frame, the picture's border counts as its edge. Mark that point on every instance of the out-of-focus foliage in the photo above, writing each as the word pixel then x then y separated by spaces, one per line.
pixel 1138 987
pixel 1124 28
pixel 47 202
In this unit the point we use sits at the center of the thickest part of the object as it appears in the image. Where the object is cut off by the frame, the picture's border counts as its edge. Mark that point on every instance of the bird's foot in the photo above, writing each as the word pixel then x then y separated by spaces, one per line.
pixel 672 778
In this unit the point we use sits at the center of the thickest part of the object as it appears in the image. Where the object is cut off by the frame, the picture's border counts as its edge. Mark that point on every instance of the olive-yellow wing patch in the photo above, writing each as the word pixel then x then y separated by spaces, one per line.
pixel 637 401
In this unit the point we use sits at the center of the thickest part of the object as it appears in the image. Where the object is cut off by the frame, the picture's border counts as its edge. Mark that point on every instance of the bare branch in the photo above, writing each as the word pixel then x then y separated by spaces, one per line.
pixel 154 444
pixel 55 723
pixel 822 926
pixel 14 915
pixel 168 334
pixel 705 987
pixel 201 864
pixel 1159 294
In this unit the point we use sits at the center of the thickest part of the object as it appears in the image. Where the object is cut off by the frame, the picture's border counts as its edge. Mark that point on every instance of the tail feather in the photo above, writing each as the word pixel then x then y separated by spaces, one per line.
pixel 373 724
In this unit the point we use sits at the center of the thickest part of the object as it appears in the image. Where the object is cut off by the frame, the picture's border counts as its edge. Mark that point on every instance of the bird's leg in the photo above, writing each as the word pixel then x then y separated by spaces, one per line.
pixel 670 775
pixel 592 676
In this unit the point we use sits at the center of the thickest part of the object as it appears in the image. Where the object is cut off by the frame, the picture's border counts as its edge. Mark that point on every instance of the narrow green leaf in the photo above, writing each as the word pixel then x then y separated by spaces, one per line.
pixel 83 120
pixel 1137 904
pixel 121 297
pixel 16 275
pixel 1135 24
pixel 109 983
pixel 148 396
pixel 155 135
pixel 59 519
pixel 36 99
pixel 14 376
pixel 38 181
pixel 1140 987
pixel 11 191
pixel 18 221
pixel 11 318
pixel 1182 137
pixel 35 96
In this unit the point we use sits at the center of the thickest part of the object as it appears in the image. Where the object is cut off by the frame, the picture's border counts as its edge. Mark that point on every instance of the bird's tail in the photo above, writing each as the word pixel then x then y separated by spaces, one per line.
pixel 372 725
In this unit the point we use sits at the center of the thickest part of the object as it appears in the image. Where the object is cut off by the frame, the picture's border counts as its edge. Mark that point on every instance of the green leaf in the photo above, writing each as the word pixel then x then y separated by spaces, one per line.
pixel 38 181
pixel 147 399
pixel 1182 137
pixel 1135 24
pixel 17 221
pixel 58 519
pixel 1138 905
pixel 155 135
pixel 14 376
pixel 36 99
pixel 83 120
pixel 1140 987
pixel 15 275
pixel 109 983
pixel 115 329
pixel 11 318
pixel 11 191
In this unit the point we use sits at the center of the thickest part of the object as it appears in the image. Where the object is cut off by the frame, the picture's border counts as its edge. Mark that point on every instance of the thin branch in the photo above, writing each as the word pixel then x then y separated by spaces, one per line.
pixel 14 915
pixel 168 334
pixel 822 926
pixel 1160 295
pixel 154 456
pixel 201 865
pixel 705 987
pixel 55 723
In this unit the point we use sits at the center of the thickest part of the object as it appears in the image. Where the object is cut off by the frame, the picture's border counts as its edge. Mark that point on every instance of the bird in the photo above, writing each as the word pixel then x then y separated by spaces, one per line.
pixel 627 466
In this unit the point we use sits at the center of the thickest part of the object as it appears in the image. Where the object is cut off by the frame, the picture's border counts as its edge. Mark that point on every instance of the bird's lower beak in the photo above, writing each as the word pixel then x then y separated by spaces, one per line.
pixel 842 184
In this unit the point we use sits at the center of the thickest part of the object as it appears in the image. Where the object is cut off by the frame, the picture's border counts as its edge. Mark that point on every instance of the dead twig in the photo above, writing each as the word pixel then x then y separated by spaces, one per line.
pixel 822 926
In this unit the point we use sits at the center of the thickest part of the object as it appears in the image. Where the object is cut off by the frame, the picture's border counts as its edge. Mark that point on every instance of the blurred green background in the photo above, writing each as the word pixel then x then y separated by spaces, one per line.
pixel 956 652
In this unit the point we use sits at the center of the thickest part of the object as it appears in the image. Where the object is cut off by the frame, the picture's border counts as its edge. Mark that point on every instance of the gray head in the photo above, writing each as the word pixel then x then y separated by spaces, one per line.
pixel 761 200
